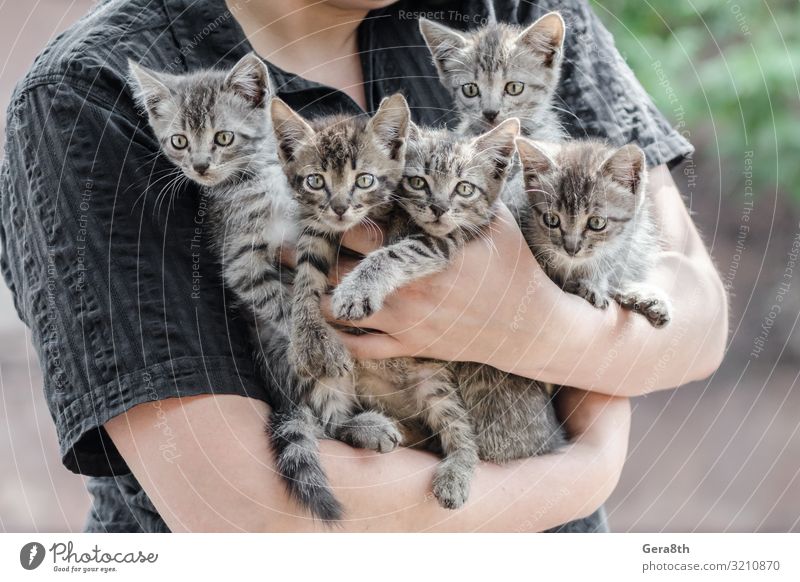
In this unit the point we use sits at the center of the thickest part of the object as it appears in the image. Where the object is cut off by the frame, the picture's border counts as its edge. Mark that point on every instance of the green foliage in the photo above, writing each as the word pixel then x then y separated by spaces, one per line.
pixel 728 69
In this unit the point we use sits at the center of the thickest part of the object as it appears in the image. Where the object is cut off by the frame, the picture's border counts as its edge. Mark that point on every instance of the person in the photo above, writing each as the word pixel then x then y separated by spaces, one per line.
pixel 148 372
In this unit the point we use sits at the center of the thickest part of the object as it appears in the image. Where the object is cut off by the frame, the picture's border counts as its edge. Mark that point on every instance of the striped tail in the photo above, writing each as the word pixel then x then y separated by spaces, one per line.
pixel 295 439
pixel 293 429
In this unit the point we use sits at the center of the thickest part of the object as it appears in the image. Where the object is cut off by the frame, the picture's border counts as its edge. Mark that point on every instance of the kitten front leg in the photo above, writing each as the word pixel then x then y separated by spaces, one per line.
pixel 370 430
pixel 444 413
pixel 316 350
pixel 594 292
pixel 263 294
pixel 363 291
pixel 650 301
pixel 251 271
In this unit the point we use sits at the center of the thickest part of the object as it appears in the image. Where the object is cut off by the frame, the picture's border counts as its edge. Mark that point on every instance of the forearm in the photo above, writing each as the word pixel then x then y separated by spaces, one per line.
pixel 616 351
pixel 224 478
pixel 392 492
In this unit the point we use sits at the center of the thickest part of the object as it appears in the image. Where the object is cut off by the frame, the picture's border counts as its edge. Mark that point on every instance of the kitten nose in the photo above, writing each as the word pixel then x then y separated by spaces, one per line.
pixel 438 210
pixel 338 210
pixel 201 168
pixel 572 247
pixel 490 115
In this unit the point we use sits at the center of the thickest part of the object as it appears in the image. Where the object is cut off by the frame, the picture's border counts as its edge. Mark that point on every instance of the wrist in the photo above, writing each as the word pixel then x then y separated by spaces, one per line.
pixel 536 327
pixel 560 339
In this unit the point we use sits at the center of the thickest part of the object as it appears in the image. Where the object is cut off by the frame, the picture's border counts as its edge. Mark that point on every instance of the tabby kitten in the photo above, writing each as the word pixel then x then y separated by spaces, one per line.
pixel 501 71
pixel 590 223
pixel 213 125
pixel 343 171
pixel 448 196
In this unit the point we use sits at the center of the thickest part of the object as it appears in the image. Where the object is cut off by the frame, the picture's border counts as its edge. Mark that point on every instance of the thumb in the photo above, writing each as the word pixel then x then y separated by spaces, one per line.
pixel 372 346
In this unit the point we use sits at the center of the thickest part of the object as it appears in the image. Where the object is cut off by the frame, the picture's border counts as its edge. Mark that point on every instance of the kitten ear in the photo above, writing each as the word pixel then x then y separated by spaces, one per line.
pixel 536 162
pixel 390 126
pixel 249 78
pixel 443 42
pixel 545 37
pixel 628 167
pixel 291 130
pixel 149 88
pixel 534 159
pixel 499 145
pixel 413 131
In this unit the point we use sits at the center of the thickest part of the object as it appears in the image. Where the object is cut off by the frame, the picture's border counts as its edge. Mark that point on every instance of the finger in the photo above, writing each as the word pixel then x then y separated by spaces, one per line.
pixel 372 346
pixel 288 256
pixel 379 321
pixel 363 238
pixel 342 267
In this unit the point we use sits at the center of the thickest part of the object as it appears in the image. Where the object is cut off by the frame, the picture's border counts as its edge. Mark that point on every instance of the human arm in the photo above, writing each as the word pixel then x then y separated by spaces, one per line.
pixel 224 479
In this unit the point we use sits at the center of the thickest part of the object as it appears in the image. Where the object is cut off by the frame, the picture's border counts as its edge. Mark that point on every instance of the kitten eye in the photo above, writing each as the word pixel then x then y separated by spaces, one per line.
pixel 514 87
pixel 416 182
pixel 179 141
pixel 551 220
pixel 596 222
pixel 315 181
pixel 365 180
pixel 470 90
pixel 464 188
pixel 223 138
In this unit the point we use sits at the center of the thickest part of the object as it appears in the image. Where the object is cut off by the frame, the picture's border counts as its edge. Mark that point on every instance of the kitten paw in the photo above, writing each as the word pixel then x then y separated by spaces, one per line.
pixel 350 304
pixel 594 295
pixel 451 484
pixel 371 430
pixel 649 302
pixel 317 353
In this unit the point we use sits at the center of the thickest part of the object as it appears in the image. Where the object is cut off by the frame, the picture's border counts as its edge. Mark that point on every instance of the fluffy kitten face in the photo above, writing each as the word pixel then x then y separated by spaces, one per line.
pixel 211 124
pixel 453 182
pixel 498 71
pixel 583 195
pixel 342 169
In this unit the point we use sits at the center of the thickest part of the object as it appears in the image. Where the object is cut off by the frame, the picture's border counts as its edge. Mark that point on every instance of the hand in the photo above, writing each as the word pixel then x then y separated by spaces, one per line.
pixel 466 313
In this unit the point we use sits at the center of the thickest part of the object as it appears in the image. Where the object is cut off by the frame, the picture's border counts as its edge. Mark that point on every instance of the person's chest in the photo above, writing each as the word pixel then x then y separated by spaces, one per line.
pixel 393 58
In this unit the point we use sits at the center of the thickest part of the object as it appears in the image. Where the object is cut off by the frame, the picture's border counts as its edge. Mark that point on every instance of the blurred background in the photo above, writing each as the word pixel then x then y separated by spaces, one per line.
pixel 720 455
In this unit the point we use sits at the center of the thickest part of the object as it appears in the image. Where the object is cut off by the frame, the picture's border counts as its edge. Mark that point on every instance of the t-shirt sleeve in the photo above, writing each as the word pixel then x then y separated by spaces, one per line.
pixel 599 94
pixel 107 257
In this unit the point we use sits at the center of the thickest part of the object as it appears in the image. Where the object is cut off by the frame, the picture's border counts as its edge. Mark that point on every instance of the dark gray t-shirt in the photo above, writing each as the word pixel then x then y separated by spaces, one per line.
pixel 122 294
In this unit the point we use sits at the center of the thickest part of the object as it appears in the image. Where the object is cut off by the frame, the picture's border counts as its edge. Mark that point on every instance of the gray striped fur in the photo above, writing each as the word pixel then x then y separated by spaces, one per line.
pixel 323 401
pixel 254 214
pixel 249 198
pixel 574 182
pixel 493 56
pixel 462 404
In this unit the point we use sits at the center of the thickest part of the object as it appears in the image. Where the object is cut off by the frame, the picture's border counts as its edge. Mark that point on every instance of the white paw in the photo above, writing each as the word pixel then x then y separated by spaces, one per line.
pixel 350 304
